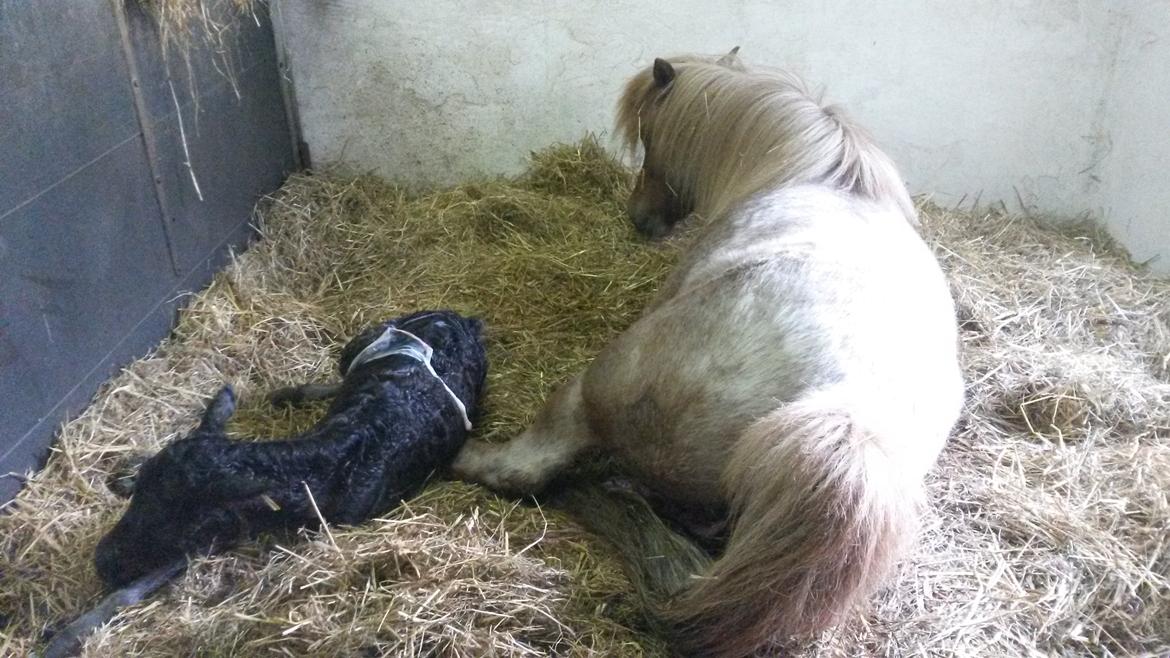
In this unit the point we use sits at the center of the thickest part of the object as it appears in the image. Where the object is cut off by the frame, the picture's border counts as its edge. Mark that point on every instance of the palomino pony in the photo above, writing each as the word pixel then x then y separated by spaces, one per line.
pixel 798 371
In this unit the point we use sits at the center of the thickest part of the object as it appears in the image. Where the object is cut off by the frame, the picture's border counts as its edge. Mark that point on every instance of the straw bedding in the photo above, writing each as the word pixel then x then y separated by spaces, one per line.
pixel 1049 528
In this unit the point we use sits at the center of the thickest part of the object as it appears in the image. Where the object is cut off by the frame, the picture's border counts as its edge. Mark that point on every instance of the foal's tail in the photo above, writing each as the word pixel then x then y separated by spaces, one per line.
pixel 819 511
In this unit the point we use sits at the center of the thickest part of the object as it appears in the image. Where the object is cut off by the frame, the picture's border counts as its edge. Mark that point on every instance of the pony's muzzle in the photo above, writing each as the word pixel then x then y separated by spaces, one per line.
pixel 653 207
pixel 650 225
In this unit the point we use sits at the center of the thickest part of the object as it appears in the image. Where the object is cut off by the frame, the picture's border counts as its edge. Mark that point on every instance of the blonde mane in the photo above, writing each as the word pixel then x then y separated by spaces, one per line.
pixel 721 133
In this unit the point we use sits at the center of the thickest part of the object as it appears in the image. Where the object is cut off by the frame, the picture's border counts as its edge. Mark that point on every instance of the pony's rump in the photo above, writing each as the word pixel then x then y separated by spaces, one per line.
pixel 819 512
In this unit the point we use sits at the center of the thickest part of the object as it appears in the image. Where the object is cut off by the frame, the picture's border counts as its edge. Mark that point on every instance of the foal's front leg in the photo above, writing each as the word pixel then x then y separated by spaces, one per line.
pixel 526 464
pixel 296 396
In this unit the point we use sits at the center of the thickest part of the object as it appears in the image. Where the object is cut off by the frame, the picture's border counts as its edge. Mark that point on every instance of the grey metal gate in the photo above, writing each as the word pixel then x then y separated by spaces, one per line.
pixel 102 228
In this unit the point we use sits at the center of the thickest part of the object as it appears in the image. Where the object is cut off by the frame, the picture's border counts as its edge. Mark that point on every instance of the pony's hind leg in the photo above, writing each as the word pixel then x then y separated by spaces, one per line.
pixel 528 463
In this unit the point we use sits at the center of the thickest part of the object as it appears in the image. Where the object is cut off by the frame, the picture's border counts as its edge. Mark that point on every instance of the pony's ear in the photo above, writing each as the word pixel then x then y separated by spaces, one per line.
pixel 663 72
pixel 730 58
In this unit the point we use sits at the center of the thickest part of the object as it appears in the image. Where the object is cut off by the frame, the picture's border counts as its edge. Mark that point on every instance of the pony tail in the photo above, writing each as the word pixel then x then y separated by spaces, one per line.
pixel 820 515
pixel 865 170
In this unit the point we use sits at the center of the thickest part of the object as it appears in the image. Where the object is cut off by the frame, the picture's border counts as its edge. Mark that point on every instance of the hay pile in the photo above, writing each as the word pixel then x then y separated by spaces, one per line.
pixel 1049 528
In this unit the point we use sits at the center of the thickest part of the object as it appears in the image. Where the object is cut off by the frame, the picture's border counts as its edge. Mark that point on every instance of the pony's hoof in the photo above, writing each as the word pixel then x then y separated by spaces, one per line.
pixel 487 464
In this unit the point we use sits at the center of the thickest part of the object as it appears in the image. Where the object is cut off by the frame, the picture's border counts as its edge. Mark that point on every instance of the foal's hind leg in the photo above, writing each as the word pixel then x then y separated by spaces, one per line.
pixel 527 463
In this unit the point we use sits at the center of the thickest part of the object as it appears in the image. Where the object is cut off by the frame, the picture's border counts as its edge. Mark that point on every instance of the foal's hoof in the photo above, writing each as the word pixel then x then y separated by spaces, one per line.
pixel 121 480
pixel 289 397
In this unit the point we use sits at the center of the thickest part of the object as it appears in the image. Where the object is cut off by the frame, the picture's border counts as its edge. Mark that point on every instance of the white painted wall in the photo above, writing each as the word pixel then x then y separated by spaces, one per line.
pixel 1134 127
pixel 1059 104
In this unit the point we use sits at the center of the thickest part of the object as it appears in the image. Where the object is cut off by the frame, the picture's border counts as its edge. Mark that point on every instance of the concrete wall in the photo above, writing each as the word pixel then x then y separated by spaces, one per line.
pixel 1060 105
pixel 1134 134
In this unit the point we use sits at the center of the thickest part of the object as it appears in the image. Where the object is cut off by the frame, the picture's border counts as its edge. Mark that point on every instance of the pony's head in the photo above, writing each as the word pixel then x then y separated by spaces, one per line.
pixel 713 132
pixel 655 206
